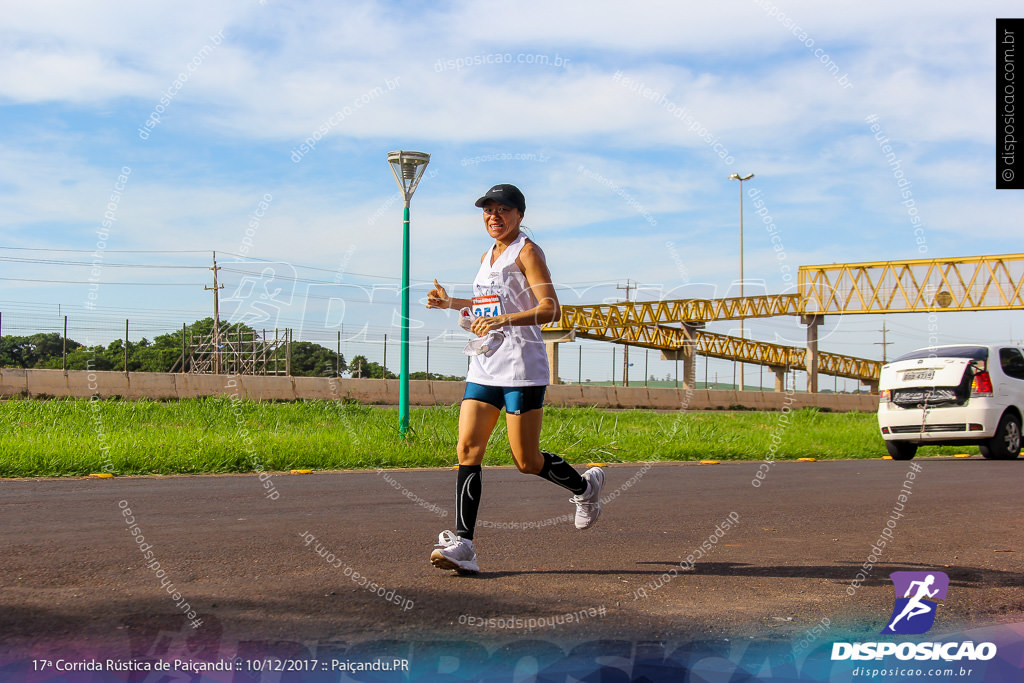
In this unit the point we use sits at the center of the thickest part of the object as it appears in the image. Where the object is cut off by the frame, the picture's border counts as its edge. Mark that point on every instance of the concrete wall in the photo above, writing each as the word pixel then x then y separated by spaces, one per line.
pixel 155 385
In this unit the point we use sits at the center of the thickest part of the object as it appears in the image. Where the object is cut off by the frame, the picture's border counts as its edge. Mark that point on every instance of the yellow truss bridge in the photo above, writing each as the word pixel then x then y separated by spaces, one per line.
pixel 977 283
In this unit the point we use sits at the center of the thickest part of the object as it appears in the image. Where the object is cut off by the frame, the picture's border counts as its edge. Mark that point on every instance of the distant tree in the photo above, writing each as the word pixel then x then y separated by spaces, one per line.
pixel 34 351
pixel 435 376
pixel 88 358
pixel 12 351
pixel 199 328
pixel 314 360
pixel 160 355
pixel 163 353
pixel 361 367
pixel 47 345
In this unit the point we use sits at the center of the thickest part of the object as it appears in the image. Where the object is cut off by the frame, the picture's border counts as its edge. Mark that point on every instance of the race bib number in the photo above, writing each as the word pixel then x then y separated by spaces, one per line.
pixel 487 306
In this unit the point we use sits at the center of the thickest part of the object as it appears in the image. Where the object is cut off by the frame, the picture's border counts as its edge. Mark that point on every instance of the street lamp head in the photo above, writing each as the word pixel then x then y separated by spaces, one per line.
pixel 737 176
pixel 408 168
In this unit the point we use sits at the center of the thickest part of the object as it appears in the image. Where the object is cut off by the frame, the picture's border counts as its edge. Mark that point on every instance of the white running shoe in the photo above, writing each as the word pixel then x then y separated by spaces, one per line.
pixel 588 505
pixel 455 553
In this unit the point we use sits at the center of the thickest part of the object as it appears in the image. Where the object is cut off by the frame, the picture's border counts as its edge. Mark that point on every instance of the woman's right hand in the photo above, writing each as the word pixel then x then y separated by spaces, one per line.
pixel 438 297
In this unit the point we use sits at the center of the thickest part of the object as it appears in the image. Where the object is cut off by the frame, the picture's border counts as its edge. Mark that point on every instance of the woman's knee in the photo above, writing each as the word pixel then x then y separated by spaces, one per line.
pixel 530 465
pixel 529 468
pixel 469 453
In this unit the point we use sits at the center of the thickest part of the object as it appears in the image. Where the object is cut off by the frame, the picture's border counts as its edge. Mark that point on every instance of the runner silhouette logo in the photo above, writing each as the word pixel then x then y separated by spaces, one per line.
pixel 914 612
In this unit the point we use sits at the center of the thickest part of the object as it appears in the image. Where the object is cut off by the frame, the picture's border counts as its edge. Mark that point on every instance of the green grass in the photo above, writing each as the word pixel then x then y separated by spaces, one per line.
pixel 79 437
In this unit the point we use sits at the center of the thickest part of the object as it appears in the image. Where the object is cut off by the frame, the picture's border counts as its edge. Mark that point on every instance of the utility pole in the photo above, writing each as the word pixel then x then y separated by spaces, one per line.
pixel 883 343
pixel 737 176
pixel 625 346
pixel 216 316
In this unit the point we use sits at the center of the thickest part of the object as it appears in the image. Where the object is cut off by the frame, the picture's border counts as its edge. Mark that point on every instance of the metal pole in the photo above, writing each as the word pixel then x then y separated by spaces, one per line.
pixel 403 374
pixel 579 367
pixel 647 354
pixel 408 169
pixel 384 372
pixel 741 278
pixel 428 356
pixel 625 347
pixel 216 316
pixel 337 362
pixel 625 365
pixel 613 366
pixel 183 348
pixel 126 346
pixel 64 350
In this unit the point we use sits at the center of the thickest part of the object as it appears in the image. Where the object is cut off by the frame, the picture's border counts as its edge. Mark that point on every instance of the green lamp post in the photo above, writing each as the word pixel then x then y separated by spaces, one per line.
pixel 408 168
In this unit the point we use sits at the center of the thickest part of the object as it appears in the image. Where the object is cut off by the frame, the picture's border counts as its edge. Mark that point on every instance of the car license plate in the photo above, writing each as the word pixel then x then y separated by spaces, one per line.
pixel 905 397
pixel 918 374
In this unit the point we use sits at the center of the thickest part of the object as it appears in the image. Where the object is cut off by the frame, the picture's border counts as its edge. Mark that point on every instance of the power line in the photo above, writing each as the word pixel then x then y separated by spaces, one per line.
pixel 244 260
pixel 110 251
pixel 382 277
pixel 34 307
pixel 56 262
pixel 85 282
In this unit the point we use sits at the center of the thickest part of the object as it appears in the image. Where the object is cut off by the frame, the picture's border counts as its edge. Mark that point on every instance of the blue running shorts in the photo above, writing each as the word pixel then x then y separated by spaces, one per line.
pixel 515 400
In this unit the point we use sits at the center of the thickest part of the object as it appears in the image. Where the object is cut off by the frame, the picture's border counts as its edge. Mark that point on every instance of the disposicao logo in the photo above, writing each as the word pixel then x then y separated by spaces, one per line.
pixel 914 612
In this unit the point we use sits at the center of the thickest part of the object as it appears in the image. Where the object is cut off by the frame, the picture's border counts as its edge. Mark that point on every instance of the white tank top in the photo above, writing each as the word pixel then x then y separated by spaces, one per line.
pixel 500 288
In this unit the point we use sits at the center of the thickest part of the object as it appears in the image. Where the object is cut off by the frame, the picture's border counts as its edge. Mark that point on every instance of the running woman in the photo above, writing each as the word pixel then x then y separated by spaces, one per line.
pixel 512 297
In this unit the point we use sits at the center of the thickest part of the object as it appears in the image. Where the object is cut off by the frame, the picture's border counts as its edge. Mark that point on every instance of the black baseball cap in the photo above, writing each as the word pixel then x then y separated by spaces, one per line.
pixel 506 194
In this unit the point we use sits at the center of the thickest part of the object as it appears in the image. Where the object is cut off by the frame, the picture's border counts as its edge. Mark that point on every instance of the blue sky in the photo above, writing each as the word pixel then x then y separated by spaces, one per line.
pixel 621 122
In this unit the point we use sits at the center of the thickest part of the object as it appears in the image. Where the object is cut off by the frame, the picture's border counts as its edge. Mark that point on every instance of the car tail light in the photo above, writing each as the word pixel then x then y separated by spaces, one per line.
pixel 982 385
pixel 885 430
pixel 974 427
pixel 884 396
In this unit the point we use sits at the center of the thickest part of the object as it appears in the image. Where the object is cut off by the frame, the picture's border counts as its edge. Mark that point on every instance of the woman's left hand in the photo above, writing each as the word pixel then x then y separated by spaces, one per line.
pixel 481 326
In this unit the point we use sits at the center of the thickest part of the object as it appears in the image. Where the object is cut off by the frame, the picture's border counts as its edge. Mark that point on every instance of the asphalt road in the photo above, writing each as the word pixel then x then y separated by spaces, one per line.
pixel 72 575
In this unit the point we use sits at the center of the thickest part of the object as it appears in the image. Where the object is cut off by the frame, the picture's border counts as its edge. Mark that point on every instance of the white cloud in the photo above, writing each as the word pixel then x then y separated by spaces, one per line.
pixel 79 79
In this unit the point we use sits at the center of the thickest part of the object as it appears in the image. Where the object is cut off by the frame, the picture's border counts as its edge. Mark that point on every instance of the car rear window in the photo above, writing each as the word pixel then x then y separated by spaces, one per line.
pixel 972 352
pixel 1012 362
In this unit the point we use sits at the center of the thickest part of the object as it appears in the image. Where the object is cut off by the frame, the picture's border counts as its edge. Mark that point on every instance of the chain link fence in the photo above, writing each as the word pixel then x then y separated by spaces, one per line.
pixel 437 352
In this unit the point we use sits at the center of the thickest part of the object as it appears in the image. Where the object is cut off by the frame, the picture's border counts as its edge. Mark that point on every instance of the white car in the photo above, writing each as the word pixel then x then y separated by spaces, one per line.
pixel 953 395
